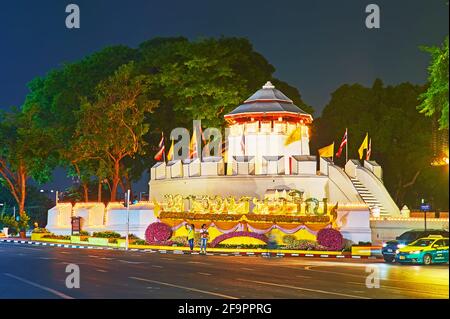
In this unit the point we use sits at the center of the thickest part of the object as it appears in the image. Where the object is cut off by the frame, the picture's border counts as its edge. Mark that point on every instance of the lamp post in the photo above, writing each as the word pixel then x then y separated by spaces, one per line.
pixel 128 218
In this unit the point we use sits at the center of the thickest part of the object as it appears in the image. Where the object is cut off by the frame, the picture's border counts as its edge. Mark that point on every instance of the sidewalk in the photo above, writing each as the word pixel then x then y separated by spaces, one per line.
pixel 211 251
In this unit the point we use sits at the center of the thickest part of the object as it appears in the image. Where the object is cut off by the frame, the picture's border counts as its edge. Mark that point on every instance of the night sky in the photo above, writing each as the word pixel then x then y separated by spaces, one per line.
pixel 314 45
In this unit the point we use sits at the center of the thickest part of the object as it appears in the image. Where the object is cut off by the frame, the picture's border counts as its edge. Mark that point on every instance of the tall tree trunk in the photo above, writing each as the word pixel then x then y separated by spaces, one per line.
pixel 115 181
pixel 86 192
pixel 23 190
pixel 99 190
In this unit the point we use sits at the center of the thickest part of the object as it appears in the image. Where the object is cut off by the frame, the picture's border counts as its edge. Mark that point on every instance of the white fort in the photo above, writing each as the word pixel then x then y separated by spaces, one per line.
pixel 257 164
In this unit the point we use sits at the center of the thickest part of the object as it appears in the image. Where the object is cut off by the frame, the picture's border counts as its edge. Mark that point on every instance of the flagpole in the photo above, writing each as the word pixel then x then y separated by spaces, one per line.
pixel 346 147
pixel 164 145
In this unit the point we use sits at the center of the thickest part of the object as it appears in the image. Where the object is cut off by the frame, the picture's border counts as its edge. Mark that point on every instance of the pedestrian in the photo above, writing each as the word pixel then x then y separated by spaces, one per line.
pixel 204 239
pixel 191 236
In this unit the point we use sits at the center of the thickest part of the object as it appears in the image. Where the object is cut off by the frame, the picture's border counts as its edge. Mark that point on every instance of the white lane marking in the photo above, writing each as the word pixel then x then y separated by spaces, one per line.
pixel 157 266
pixel 53 291
pixel 166 258
pixel 185 288
pixel 93 256
pixel 47 258
pixel 106 258
pixel 197 262
pixel 301 288
pixel 250 269
pixel 204 273
pixel 301 276
pixel 64 252
pixel 131 262
pixel 101 270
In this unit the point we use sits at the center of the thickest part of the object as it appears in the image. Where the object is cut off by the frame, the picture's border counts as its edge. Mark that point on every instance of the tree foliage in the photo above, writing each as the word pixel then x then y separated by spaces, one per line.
pixel 25 151
pixel 111 126
pixel 401 137
pixel 435 98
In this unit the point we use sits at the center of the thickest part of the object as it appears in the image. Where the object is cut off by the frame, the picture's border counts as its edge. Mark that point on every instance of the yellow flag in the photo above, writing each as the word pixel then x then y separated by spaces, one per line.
pixel 193 146
pixel 327 151
pixel 364 146
pixel 170 154
pixel 294 136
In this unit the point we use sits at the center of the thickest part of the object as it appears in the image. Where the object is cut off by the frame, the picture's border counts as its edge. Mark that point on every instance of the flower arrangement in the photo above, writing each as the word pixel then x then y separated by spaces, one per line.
pixel 301 244
pixel 330 238
pixel 158 233
pixel 223 237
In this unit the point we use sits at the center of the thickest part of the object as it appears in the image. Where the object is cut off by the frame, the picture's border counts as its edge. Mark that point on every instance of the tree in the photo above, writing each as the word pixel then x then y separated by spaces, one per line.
pixel 401 137
pixel 57 98
pixel 25 152
pixel 435 98
pixel 111 125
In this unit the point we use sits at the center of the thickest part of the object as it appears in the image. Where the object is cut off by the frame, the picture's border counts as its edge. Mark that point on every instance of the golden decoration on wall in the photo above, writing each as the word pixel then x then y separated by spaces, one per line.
pixel 291 203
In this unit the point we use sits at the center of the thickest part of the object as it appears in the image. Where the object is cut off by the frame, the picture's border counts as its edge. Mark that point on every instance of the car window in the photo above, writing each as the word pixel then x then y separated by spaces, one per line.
pixel 409 236
pixel 422 242
pixel 439 243
pixel 445 242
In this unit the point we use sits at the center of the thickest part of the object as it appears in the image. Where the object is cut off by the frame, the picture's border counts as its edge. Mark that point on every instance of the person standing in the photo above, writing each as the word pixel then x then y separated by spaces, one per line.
pixel 204 239
pixel 191 236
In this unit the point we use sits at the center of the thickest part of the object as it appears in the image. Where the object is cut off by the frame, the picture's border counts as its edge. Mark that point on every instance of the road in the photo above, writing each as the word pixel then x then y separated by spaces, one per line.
pixel 40 272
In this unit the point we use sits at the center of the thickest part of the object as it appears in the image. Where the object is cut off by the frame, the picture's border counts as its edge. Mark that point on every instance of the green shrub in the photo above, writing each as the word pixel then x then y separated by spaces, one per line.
pixel 106 234
pixel 83 233
pixel 131 236
pixel 112 240
pixel 53 236
pixel 38 230
pixel 140 242
pixel 180 241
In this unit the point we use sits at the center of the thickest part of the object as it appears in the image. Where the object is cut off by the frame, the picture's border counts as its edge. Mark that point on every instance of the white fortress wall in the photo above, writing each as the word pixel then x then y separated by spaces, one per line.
pixel 385 229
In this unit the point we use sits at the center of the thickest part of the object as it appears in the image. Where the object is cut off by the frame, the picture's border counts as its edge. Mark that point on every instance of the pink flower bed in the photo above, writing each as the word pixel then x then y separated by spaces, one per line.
pixel 158 233
pixel 330 238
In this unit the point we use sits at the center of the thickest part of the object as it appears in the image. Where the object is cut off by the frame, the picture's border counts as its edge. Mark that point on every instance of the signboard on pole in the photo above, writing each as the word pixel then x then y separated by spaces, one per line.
pixel 76 225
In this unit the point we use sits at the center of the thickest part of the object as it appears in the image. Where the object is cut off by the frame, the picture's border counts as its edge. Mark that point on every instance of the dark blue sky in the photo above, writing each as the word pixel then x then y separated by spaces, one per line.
pixel 314 45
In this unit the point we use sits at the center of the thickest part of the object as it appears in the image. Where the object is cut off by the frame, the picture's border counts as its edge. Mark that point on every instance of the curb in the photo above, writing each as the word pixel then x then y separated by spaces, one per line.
pixel 181 252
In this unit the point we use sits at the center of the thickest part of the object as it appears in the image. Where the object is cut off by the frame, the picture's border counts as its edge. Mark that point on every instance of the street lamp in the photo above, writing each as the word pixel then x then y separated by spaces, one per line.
pixel 128 218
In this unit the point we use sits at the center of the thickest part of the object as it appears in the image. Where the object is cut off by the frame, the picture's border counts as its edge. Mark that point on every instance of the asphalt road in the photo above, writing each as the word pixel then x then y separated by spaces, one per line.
pixel 40 272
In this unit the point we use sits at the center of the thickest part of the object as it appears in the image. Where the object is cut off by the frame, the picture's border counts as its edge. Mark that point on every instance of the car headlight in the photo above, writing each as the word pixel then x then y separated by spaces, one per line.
pixel 397 251
pixel 384 245
pixel 401 245
pixel 415 252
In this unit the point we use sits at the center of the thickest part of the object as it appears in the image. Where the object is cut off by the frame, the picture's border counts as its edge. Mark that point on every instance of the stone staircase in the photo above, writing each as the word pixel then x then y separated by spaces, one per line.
pixel 368 197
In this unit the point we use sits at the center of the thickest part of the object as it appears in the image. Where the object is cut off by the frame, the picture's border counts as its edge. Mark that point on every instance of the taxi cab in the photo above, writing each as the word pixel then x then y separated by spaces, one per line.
pixel 428 250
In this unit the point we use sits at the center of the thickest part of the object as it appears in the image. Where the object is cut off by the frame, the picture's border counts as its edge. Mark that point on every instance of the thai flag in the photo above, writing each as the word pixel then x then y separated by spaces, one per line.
pixel 369 150
pixel 162 150
pixel 343 143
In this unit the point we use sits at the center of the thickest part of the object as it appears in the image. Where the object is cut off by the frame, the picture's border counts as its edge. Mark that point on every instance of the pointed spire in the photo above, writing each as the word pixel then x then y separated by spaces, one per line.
pixel 268 85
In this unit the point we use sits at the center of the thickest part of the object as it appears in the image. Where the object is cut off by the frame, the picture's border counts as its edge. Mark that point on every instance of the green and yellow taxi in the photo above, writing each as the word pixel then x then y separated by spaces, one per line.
pixel 427 251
